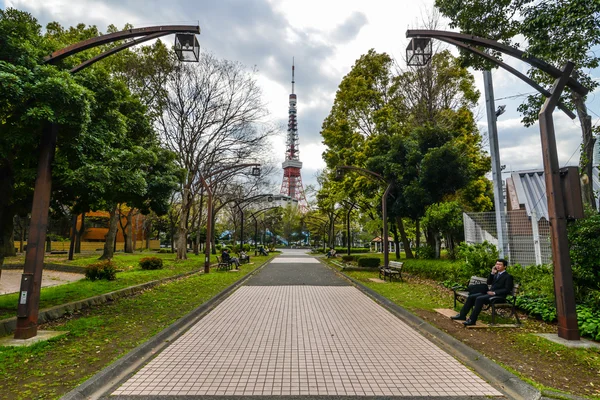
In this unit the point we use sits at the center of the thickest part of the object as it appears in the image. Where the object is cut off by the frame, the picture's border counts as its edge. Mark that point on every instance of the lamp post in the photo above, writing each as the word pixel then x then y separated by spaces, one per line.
pixel 253 216
pixel 340 175
pixel 31 280
pixel 243 203
pixel 558 181
pixel 209 198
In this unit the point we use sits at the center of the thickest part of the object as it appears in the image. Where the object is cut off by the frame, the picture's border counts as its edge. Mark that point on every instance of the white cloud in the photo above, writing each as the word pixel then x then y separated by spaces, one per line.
pixel 325 37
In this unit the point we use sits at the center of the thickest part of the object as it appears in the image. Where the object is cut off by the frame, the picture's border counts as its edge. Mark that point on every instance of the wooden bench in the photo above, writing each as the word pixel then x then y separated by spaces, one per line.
pixel 226 265
pixel 497 303
pixel 394 269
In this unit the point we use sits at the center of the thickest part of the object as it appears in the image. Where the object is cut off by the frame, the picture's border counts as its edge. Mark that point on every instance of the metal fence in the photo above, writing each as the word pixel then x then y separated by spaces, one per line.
pixel 527 243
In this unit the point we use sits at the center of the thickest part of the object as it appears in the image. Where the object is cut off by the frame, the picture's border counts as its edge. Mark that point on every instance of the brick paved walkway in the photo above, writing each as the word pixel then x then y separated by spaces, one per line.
pixel 303 340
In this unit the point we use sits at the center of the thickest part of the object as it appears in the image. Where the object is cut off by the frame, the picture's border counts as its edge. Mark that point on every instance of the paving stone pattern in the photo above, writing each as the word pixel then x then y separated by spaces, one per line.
pixel 303 340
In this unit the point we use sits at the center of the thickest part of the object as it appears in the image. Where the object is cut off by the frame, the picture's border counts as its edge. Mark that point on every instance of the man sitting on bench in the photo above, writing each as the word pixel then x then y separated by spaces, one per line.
pixel 244 257
pixel 228 259
pixel 501 285
pixel 262 251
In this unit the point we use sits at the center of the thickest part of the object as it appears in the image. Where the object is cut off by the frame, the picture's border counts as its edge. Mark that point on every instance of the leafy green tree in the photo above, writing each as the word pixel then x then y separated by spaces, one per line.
pixel 555 31
pixel 415 129
pixel 444 220
pixel 33 96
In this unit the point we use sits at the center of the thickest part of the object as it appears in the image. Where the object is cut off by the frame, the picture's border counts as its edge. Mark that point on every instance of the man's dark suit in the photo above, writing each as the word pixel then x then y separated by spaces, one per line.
pixel 502 286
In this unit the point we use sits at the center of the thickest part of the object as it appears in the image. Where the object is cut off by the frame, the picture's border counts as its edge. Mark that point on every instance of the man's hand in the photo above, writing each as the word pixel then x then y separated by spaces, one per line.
pixel 494 270
pixel 491 293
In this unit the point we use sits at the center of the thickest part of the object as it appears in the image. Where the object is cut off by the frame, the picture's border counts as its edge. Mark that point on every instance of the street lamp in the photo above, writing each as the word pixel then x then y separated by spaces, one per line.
pixel 339 173
pixel 560 207
pixel 31 280
pixel 209 198
pixel 253 216
pixel 241 204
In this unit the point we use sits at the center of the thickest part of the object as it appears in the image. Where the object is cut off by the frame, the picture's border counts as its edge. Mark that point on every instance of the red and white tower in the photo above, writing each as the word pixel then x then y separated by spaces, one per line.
pixel 292 180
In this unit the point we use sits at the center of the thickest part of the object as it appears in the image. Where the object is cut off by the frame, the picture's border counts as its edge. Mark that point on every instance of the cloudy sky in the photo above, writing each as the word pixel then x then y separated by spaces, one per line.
pixel 325 38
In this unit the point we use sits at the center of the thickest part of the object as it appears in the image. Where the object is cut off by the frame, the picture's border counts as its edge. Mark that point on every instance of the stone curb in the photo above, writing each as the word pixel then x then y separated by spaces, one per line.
pixel 106 380
pixel 504 380
pixel 7 326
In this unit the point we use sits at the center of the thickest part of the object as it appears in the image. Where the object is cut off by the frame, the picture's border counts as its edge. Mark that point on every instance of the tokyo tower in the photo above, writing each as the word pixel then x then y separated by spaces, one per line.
pixel 292 180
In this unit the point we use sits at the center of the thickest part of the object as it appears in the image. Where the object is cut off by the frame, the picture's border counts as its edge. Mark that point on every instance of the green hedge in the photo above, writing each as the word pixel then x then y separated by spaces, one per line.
pixel 344 250
pixel 369 262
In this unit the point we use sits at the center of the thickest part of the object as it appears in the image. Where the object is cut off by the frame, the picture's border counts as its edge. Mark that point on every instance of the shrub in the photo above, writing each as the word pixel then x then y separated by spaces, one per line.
pixel 352 250
pixel 369 262
pixel 537 306
pixel 165 251
pixel 347 258
pixel 426 252
pixel 479 258
pixel 101 270
pixel 151 263
pixel 588 320
pixel 585 258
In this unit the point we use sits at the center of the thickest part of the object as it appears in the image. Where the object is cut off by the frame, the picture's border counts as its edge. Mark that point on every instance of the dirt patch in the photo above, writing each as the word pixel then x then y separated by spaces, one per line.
pixel 561 370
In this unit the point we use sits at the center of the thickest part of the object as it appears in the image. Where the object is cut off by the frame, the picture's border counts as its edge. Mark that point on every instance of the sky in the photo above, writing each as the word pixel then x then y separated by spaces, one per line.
pixel 325 38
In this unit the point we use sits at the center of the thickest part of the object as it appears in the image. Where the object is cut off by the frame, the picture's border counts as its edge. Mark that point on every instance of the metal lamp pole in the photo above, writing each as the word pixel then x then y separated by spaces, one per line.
pixel 209 213
pixel 31 280
pixel 339 175
pixel 563 190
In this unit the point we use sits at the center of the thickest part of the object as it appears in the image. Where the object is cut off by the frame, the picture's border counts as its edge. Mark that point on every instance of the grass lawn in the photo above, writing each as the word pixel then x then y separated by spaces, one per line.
pixel 132 275
pixel 100 335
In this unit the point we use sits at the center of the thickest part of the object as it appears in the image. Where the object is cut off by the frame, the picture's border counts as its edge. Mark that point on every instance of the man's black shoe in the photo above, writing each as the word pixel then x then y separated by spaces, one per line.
pixel 468 323
pixel 458 317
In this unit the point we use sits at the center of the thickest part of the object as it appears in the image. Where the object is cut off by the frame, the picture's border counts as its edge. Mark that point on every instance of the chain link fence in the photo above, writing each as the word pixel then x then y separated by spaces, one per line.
pixel 526 243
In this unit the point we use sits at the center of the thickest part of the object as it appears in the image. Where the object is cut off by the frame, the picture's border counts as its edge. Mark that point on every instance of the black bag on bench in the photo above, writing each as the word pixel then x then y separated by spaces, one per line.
pixel 479 288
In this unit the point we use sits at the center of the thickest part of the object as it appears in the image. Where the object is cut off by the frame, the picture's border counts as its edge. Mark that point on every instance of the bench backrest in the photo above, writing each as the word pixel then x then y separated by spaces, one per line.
pixel 396 264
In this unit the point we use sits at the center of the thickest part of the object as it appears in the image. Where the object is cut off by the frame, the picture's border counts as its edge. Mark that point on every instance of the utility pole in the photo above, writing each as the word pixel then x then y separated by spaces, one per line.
pixel 496 169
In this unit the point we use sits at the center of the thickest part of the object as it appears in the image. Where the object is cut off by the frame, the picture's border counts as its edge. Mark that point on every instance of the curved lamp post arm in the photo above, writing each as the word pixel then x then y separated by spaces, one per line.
pixel 126 45
pixel 510 69
pixel 508 50
pixel 113 37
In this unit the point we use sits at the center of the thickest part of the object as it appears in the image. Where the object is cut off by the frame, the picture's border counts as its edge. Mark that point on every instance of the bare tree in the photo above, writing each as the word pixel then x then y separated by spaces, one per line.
pixel 211 117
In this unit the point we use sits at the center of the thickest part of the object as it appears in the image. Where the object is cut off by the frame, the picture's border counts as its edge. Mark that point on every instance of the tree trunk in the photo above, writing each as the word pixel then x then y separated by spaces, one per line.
pixel 22 238
pixel 7 246
pixel 198 242
pixel 587 151
pixel 148 231
pixel 111 236
pixel 80 233
pixel 438 244
pixel 133 231
pixel 48 244
pixel 129 248
pixel 182 229
pixel 405 241
pixel 396 240
pixel 73 235
pixel 417 233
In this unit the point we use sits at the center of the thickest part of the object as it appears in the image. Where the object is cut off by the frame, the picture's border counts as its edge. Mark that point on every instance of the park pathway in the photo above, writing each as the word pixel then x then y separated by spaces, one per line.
pixel 296 328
